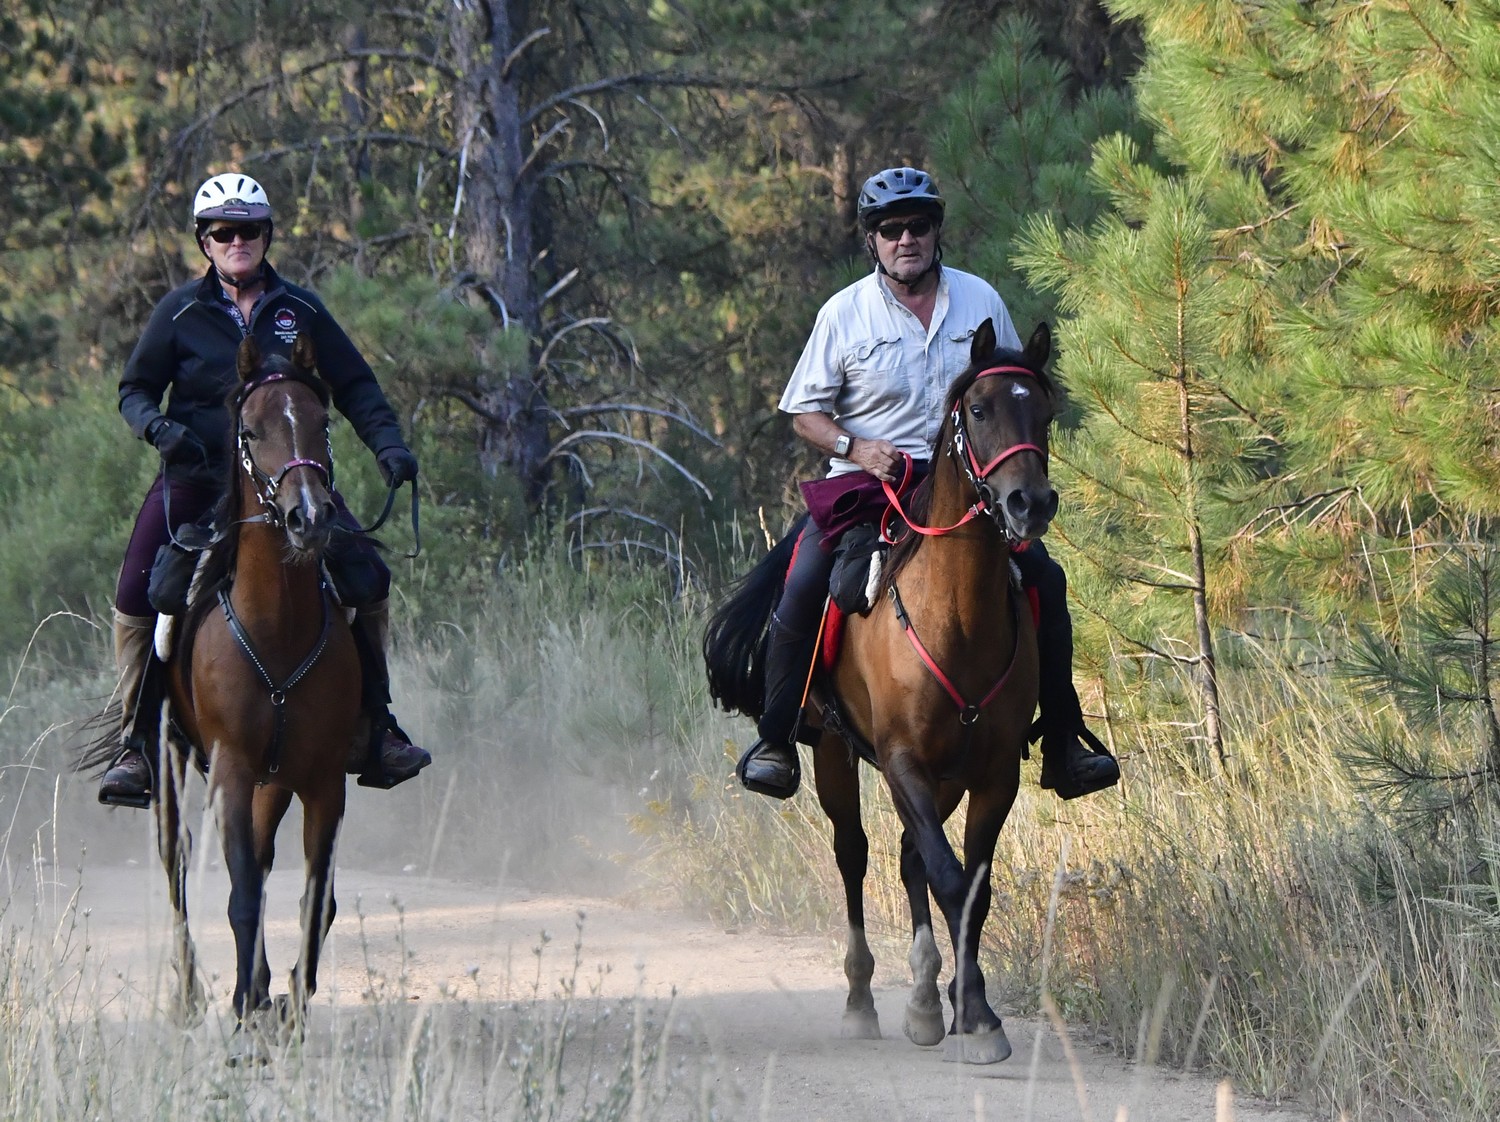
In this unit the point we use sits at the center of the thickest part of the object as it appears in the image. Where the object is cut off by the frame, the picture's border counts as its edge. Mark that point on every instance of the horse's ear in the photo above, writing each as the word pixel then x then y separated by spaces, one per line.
pixel 247 359
pixel 304 354
pixel 984 342
pixel 1039 346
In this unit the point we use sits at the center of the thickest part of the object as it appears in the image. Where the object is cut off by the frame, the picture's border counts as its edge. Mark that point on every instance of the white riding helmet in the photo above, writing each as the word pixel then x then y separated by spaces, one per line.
pixel 230 197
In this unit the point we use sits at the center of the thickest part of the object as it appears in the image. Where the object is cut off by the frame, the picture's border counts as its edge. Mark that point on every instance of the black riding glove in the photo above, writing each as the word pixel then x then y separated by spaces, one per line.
pixel 177 443
pixel 398 465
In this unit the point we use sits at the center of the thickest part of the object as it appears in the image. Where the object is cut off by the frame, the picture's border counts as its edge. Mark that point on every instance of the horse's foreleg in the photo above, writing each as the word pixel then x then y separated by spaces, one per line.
pixel 174 844
pixel 321 817
pixel 923 1022
pixel 838 793
pixel 233 791
pixel 267 808
pixel 916 799
pixel 979 1041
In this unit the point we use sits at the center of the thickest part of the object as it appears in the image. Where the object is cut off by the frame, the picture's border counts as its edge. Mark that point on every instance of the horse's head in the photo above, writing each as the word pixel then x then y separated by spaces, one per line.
pixel 281 430
pixel 1000 410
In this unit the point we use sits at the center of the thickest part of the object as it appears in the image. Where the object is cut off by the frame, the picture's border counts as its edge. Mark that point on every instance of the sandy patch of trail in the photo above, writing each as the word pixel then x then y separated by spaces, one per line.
pixel 753 1019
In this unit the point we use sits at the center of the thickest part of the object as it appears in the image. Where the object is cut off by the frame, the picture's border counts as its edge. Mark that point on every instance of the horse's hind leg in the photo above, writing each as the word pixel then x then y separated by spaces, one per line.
pixel 174 845
pixel 321 817
pixel 838 792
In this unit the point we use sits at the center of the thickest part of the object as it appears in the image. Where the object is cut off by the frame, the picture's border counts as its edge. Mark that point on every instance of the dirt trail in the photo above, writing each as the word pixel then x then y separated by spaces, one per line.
pixel 755 1016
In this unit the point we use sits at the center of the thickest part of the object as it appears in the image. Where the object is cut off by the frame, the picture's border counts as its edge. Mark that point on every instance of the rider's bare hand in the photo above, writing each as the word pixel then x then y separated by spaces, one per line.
pixel 878 457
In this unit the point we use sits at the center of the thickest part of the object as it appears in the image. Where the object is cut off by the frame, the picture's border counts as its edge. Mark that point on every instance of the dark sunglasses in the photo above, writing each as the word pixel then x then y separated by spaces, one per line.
pixel 226 234
pixel 892 231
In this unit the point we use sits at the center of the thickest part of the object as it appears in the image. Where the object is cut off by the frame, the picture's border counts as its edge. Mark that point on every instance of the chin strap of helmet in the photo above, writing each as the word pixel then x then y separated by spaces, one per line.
pixel 245 282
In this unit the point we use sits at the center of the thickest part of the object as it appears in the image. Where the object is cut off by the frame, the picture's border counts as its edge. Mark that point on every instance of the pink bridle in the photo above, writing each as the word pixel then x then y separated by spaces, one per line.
pixel 267 485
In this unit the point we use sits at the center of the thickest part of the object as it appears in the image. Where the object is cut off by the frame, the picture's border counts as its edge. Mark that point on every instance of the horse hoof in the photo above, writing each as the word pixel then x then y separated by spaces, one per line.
pixel 246 1050
pixel 861 1024
pixel 987 1047
pixel 923 1027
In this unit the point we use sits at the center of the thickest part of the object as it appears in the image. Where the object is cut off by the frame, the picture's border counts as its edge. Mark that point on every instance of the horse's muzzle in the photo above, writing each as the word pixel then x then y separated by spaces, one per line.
pixel 1026 512
pixel 309 523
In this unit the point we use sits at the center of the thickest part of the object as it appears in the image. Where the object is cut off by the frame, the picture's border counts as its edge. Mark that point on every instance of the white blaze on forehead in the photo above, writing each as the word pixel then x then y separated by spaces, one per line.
pixel 1020 389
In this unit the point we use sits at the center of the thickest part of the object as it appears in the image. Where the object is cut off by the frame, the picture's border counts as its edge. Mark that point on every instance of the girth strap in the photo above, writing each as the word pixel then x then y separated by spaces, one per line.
pixel 278 692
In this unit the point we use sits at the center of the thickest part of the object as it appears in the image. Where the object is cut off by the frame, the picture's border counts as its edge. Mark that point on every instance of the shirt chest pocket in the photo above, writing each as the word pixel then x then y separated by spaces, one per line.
pixel 875 374
pixel 956 348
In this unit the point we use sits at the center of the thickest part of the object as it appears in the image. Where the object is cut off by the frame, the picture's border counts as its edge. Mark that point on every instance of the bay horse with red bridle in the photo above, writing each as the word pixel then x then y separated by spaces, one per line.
pixel 936 685
pixel 264 688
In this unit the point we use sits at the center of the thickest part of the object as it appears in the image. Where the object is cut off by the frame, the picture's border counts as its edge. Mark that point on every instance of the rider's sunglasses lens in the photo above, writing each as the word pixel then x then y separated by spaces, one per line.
pixel 892 231
pixel 226 234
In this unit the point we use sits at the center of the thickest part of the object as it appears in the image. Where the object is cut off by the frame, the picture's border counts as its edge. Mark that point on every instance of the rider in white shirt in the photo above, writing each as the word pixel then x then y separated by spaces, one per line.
pixel 870 386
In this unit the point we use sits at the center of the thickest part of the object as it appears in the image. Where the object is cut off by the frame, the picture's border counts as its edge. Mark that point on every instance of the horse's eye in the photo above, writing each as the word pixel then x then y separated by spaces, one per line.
pixel 977 412
pixel 251 434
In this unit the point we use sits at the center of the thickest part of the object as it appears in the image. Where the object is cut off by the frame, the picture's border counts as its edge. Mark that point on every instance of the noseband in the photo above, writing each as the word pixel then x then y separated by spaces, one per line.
pixel 266 485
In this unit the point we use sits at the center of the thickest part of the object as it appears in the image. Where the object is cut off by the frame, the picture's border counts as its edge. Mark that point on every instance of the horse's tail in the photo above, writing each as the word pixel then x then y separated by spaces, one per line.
pixel 734 642
pixel 100 736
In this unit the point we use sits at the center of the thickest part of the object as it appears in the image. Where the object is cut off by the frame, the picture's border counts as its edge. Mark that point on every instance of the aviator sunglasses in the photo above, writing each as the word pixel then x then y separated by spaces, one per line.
pixel 892 231
pixel 226 234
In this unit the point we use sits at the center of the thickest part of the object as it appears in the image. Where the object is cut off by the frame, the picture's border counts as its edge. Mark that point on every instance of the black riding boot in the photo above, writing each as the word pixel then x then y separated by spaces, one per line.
pixel 1074 761
pixel 392 757
pixel 770 766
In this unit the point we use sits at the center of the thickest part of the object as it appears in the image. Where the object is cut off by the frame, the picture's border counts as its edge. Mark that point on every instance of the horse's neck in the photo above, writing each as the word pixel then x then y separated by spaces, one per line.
pixel 972 555
pixel 269 591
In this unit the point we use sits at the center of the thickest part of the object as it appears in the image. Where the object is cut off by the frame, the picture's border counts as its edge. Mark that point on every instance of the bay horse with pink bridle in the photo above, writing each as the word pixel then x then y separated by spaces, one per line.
pixel 936 685
pixel 264 687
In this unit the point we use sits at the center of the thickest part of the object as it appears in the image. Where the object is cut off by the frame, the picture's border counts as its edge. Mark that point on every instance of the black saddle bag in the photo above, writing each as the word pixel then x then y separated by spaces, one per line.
pixel 173 568
pixel 849 583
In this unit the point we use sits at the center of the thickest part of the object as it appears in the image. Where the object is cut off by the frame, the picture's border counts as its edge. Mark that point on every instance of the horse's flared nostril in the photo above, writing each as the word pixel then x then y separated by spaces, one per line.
pixel 296 522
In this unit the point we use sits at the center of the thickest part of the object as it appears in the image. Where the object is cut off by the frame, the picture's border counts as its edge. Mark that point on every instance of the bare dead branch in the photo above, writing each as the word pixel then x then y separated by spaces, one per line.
pixel 519 49
pixel 668 80
pixel 562 446
pixel 628 407
pixel 621 512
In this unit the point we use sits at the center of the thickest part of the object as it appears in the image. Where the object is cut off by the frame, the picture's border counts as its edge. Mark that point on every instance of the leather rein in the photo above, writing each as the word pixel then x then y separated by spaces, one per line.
pixel 961 446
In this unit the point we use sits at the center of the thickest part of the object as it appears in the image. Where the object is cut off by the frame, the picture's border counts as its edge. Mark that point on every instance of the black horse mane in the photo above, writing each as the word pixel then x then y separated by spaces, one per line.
pixel 920 501
pixel 218 567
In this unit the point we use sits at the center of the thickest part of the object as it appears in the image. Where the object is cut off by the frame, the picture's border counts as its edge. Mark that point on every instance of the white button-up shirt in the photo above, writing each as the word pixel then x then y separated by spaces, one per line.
pixel 872 367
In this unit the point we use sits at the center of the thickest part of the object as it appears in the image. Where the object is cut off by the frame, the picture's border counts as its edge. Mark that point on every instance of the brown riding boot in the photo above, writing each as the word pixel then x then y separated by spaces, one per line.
pixel 400 759
pixel 128 781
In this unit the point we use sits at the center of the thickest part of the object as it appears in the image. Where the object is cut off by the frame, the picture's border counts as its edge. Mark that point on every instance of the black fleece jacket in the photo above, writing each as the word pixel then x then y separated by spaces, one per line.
pixel 187 353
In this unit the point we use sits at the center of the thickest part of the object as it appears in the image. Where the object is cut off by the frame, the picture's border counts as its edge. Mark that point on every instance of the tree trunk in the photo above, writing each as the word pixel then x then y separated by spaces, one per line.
pixel 496 222
pixel 1207 664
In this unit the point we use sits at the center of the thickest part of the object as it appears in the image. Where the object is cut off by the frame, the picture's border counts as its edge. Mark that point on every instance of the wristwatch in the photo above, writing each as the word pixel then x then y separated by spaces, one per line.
pixel 842 445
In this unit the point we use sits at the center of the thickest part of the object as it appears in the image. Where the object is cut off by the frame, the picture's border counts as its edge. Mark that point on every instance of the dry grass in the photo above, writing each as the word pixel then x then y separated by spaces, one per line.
pixel 1275 924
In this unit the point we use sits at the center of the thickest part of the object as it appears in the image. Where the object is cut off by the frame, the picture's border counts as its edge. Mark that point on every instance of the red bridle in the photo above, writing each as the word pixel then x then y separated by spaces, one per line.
pixel 971 465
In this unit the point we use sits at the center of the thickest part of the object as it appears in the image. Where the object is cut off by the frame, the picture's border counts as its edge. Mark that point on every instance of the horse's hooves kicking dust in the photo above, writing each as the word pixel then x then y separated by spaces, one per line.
pixel 988 1047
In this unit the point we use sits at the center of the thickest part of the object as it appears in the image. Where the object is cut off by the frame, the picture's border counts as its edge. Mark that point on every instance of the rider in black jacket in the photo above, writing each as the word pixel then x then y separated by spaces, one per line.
pixel 187 354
